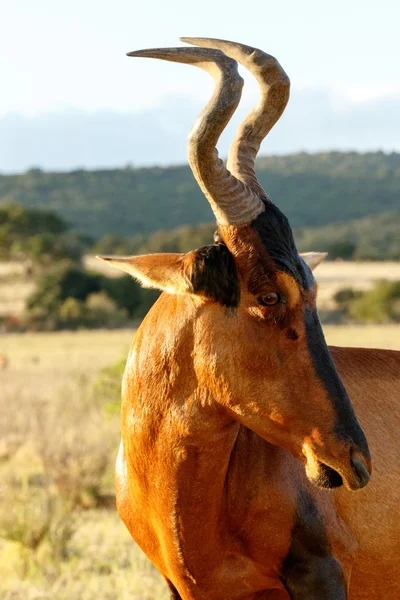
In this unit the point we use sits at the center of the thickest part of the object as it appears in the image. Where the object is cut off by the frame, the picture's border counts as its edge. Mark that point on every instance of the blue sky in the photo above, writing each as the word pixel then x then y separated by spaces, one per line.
pixel 71 98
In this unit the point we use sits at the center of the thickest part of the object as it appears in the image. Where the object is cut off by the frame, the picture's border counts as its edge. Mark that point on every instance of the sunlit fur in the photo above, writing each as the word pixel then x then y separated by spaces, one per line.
pixel 218 405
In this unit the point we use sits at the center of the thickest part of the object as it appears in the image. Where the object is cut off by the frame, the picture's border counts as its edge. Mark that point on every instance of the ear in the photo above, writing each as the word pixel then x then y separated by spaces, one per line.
pixel 313 259
pixel 209 272
pixel 161 271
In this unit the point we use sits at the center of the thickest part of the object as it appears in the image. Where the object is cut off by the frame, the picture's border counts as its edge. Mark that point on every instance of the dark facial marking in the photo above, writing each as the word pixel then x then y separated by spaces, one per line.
pixel 276 235
pixel 291 334
pixel 215 275
pixel 306 275
pixel 347 426
pixel 310 571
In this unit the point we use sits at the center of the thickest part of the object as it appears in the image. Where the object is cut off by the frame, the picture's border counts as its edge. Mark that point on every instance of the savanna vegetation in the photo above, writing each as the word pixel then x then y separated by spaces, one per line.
pixel 312 190
pixel 70 297
pixel 347 203
pixel 65 294
pixel 60 536
pixel 381 304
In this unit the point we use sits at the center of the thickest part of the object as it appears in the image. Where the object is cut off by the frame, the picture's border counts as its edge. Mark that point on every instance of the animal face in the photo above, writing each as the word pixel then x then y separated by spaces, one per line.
pixel 270 359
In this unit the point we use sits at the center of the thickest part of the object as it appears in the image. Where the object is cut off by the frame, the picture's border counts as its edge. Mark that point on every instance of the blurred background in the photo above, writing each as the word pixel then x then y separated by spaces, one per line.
pixel 93 161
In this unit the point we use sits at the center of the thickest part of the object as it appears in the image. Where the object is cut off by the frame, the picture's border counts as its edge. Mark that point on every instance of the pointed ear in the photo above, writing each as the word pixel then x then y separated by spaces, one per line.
pixel 209 272
pixel 313 259
pixel 160 271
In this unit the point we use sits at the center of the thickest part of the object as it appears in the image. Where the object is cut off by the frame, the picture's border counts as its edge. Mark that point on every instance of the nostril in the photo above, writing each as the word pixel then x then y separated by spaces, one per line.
pixel 360 470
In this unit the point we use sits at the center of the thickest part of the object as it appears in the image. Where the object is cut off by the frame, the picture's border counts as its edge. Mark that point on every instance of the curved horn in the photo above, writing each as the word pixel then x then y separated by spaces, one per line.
pixel 232 201
pixel 274 87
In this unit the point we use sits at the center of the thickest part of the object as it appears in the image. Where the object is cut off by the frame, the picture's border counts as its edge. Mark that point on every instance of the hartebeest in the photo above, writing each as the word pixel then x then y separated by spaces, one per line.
pixel 230 389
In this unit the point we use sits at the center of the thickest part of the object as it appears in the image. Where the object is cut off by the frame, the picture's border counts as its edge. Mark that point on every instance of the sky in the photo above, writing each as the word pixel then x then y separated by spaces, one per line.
pixel 71 98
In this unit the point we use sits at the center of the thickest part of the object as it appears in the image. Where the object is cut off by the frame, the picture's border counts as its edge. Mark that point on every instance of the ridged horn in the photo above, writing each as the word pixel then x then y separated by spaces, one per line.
pixel 274 95
pixel 232 200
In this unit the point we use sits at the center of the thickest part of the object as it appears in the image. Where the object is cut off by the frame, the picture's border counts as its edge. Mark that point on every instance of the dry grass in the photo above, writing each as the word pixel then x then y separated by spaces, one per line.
pixel 101 562
pixel 15 288
pixel 56 459
pixel 39 363
pixel 355 272
pixel 13 295
pixel 364 336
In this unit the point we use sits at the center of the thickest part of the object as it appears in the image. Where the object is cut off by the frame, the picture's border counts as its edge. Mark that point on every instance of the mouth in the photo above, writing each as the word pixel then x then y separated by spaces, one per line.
pixel 327 478
pixel 355 476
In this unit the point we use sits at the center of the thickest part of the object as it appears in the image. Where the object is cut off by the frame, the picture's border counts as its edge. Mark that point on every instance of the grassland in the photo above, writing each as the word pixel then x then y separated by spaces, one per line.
pixel 58 446
pixel 61 538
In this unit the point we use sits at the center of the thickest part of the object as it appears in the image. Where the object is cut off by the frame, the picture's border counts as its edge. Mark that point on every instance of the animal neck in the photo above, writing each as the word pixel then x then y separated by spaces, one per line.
pixel 189 464
pixel 162 395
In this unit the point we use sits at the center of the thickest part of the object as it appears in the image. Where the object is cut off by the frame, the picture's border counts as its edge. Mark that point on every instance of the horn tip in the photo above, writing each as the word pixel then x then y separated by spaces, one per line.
pixel 140 53
pixel 150 52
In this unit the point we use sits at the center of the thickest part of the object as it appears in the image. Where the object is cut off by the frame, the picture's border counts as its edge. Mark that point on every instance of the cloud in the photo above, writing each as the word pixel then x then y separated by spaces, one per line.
pixel 315 120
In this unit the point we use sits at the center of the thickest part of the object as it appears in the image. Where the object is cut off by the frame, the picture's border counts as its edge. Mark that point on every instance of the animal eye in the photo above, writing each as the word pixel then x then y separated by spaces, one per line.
pixel 269 299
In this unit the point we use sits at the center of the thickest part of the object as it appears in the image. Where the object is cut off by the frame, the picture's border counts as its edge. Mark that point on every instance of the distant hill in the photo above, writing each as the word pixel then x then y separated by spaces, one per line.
pixel 313 190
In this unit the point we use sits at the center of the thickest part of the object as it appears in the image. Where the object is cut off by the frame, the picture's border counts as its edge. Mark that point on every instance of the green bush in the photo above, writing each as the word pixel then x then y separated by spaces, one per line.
pixel 99 310
pixel 45 248
pixel 128 295
pixel 38 235
pixel 59 299
pixel 28 515
pixel 125 292
pixel 346 295
pixel 379 305
pixel 22 222
pixel 69 297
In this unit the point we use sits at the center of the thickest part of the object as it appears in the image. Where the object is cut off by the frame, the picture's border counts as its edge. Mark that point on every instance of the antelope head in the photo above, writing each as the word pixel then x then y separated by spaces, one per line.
pixel 257 345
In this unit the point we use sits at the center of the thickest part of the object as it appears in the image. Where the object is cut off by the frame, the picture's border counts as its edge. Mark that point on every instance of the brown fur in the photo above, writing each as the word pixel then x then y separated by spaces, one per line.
pixel 232 407
pixel 205 482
